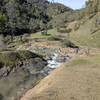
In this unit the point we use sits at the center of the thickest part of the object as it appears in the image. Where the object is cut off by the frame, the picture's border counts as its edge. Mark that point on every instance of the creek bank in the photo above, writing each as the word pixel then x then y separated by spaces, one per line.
pixel 10 61
pixel 53 56
pixel 16 81
pixel 17 73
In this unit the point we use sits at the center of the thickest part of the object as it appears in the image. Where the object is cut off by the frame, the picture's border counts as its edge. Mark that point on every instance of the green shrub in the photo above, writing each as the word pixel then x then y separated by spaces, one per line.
pixel 76 27
pixel 11 58
pixel 62 30
pixel 68 30
pixel 54 38
pixel 68 43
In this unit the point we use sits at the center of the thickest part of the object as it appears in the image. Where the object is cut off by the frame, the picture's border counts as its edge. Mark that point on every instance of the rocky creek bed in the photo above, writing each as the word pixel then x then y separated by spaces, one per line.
pixel 26 76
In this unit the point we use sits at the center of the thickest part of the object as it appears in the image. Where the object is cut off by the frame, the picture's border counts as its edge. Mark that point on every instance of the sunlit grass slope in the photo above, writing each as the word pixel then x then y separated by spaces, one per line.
pixel 84 37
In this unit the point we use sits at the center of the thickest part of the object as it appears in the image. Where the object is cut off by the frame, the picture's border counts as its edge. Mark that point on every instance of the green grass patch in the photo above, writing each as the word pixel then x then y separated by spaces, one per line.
pixel 85 61
pixel 49 34
pixel 80 62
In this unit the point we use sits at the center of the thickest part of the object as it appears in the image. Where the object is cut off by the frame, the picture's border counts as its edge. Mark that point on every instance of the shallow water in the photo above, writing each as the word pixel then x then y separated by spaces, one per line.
pixel 53 63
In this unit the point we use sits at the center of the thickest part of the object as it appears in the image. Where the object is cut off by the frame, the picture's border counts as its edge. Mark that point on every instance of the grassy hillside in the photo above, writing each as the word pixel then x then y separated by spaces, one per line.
pixel 88 34
pixel 86 30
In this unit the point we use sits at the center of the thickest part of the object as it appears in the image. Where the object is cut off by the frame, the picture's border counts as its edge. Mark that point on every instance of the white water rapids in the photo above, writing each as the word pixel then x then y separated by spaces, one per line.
pixel 53 62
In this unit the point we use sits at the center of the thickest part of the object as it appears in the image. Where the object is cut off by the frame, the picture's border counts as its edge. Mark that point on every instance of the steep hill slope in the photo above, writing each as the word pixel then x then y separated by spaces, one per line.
pixel 87 32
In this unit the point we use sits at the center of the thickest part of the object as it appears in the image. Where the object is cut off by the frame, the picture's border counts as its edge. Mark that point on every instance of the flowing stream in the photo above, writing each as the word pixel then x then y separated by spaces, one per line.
pixel 54 63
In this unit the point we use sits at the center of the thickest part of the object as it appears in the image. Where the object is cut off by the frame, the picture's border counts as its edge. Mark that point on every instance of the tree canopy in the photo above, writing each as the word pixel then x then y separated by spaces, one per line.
pixel 19 16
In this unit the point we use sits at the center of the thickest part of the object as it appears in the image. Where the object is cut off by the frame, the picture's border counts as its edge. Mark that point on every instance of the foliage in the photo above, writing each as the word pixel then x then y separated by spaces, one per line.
pixel 18 17
pixel 2 22
pixel 11 58
pixel 54 38
pixel 68 43
pixel 56 9
pixel 92 7
pixel 27 16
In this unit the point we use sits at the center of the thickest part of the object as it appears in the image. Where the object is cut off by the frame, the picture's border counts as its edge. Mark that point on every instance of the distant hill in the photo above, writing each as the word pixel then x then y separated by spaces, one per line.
pixel 59 14
pixel 55 9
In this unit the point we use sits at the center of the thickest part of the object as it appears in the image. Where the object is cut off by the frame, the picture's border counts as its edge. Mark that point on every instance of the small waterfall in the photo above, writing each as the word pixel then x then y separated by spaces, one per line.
pixel 53 62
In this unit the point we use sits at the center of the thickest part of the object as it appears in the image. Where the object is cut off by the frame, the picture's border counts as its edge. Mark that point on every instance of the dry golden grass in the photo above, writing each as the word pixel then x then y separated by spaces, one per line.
pixel 78 79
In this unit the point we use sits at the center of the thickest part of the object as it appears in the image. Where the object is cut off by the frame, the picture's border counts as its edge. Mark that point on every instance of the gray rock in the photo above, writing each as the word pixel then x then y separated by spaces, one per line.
pixel 3 71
